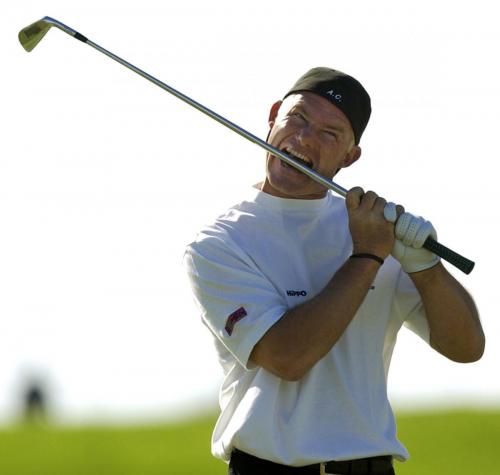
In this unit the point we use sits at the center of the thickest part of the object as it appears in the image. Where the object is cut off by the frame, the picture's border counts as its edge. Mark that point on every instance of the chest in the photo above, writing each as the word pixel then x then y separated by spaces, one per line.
pixel 299 256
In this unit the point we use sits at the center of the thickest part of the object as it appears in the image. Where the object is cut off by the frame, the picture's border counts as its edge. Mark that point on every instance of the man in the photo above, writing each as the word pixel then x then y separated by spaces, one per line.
pixel 304 299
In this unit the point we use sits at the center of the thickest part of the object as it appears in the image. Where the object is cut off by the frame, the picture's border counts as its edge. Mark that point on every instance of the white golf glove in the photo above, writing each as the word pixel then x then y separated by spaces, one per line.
pixel 411 233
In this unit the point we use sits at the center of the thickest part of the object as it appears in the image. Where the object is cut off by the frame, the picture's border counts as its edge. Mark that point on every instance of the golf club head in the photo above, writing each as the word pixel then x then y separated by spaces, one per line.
pixel 30 36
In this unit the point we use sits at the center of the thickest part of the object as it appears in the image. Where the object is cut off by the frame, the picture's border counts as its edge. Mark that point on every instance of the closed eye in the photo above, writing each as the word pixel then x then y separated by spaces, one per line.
pixel 331 133
pixel 298 115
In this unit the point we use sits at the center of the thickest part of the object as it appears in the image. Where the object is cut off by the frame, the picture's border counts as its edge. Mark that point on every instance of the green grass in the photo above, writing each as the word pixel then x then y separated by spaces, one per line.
pixel 440 443
pixel 459 443
pixel 182 448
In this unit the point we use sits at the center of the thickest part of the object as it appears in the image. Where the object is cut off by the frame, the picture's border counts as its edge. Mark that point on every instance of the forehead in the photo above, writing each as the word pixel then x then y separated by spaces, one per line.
pixel 318 108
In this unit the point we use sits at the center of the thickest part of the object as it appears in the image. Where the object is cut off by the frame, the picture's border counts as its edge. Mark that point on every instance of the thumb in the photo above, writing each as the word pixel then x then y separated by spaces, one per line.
pixel 353 198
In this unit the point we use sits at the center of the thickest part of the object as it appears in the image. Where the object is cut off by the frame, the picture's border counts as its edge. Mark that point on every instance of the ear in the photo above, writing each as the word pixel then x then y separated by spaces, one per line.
pixel 274 112
pixel 351 156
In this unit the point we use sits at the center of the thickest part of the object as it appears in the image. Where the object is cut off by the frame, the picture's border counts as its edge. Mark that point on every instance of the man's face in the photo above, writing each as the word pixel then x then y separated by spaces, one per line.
pixel 308 127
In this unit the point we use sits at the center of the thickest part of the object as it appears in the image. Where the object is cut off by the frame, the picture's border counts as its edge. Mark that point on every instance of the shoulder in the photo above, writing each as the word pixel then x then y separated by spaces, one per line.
pixel 239 220
pixel 221 238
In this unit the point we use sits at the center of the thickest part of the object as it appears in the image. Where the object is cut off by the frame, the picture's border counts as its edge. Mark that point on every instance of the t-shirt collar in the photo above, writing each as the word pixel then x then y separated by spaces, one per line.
pixel 287 204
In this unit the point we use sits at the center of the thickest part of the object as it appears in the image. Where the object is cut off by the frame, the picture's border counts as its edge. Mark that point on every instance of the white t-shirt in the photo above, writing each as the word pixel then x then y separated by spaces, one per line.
pixel 258 260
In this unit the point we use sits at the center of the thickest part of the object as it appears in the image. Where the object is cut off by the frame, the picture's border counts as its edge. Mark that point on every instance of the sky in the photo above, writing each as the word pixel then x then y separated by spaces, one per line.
pixel 105 178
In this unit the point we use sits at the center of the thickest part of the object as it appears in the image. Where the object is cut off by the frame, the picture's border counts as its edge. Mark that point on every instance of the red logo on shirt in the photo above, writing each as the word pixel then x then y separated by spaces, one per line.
pixel 234 318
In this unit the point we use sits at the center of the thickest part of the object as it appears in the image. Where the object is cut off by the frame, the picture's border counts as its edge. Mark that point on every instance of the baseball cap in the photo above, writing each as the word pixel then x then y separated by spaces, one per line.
pixel 342 90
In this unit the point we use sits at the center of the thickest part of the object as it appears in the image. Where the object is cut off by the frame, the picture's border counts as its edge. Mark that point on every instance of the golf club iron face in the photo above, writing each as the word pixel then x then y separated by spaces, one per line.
pixel 30 36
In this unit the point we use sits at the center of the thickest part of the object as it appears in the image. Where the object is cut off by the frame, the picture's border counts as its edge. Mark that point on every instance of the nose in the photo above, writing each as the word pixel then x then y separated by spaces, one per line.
pixel 305 135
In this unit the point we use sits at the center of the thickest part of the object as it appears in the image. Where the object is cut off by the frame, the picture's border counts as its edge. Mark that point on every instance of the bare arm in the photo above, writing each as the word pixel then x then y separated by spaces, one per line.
pixel 455 329
pixel 307 332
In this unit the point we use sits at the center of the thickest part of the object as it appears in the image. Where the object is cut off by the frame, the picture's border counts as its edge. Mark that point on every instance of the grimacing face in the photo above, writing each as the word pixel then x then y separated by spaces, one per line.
pixel 312 129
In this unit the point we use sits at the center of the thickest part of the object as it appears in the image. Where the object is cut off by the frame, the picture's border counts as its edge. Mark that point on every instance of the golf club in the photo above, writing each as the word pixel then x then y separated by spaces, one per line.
pixel 34 33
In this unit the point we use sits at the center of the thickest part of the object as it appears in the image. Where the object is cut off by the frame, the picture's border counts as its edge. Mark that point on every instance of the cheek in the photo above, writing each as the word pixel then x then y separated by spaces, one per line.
pixel 330 163
pixel 278 131
pixel 271 135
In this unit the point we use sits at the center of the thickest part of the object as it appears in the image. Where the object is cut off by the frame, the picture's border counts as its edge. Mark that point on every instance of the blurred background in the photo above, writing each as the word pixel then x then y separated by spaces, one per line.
pixel 104 179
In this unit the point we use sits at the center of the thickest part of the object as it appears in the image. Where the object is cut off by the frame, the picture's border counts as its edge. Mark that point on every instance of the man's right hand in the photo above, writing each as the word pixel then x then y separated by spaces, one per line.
pixel 371 232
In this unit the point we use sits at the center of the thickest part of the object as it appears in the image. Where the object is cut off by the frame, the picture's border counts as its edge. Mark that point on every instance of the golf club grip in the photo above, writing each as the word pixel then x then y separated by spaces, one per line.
pixel 460 262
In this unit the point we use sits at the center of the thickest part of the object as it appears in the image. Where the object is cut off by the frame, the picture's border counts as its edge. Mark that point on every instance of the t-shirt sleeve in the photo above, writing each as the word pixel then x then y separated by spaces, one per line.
pixel 411 308
pixel 237 302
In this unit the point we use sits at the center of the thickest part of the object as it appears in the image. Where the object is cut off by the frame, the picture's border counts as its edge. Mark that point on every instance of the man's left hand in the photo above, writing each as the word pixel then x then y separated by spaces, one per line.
pixel 411 232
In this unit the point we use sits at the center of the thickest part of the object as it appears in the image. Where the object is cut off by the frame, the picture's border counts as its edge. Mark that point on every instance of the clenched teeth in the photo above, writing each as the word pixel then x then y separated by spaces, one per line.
pixel 303 158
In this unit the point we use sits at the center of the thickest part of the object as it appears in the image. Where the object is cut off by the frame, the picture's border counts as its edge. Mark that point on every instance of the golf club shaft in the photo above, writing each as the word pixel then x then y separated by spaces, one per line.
pixel 31 35
pixel 222 120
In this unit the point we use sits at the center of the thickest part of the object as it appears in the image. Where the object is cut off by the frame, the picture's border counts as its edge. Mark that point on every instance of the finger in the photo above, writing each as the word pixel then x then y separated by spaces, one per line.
pixel 426 230
pixel 400 210
pixel 390 212
pixel 368 200
pixel 353 197
pixel 402 225
pixel 379 205
pixel 412 231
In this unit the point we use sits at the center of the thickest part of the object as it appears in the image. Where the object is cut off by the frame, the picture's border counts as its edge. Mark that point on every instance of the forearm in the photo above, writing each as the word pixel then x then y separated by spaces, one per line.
pixel 455 328
pixel 307 332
